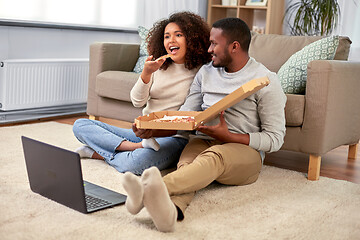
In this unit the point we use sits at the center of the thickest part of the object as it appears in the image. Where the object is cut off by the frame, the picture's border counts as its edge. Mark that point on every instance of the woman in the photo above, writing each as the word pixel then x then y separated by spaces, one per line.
pixel 162 85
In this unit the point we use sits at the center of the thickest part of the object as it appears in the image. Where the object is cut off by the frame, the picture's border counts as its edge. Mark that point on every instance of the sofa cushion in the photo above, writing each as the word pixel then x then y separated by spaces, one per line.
pixel 274 50
pixel 116 84
pixel 293 74
pixel 294 110
pixel 143 54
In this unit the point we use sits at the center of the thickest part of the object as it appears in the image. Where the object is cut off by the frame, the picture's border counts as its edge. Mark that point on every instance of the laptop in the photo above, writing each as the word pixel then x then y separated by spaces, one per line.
pixel 56 173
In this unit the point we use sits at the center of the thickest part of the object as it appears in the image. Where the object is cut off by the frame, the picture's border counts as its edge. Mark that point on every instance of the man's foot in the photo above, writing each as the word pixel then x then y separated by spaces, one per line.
pixel 85 152
pixel 135 193
pixel 157 200
pixel 150 143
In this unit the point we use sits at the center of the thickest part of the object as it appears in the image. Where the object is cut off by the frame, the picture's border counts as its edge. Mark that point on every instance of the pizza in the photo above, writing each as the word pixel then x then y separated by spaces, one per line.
pixel 175 119
pixel 165 56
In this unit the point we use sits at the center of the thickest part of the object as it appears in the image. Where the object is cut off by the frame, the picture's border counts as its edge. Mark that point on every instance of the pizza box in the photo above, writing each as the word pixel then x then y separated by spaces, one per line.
pixel 247 89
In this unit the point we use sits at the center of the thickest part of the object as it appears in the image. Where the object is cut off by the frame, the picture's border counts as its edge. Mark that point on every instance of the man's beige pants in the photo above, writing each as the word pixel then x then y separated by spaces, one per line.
pixel 205 161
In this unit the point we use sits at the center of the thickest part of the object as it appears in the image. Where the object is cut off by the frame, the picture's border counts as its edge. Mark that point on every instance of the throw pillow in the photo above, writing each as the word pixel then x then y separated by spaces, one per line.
pixel 143 54
pixel 293 73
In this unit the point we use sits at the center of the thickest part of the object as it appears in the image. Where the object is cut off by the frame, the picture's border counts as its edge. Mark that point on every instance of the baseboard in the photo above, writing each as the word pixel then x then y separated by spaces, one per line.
pixel 25 115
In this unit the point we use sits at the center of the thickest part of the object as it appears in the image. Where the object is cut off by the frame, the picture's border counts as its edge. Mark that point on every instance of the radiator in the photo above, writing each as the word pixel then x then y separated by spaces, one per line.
pixel 37 83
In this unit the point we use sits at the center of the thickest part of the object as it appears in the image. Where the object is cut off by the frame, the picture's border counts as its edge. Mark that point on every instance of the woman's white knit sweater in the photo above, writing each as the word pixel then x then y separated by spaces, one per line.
pixel 166 91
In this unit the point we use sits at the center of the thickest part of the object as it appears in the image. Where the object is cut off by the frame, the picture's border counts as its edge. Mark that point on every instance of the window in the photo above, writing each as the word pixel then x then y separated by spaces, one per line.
pixel 117 14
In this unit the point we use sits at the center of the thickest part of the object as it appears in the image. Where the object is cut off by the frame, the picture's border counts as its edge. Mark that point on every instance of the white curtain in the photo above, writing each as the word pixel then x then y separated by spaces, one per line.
pixel 99 13
pixel 108 13
pixel 150 11
pixel 349 25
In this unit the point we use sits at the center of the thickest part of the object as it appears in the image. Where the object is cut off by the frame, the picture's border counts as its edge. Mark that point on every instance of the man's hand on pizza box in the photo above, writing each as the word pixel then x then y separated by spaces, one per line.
pixel 219 132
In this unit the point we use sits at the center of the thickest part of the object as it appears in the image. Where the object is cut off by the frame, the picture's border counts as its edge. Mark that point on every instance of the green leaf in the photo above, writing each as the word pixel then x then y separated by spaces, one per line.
pixel 312 17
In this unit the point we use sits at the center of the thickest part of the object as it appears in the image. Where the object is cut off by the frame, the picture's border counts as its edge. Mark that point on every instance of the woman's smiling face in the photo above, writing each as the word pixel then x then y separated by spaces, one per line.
pixel 175 43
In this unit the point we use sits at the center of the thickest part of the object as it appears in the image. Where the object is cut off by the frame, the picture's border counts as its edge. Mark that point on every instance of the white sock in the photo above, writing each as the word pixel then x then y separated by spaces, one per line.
pixel 135 193
pixel 150 143
pixel 157 200
pixel 85 152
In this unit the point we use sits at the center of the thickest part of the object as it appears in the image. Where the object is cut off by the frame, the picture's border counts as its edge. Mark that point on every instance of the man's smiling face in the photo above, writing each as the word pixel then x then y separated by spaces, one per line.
pixel 219 48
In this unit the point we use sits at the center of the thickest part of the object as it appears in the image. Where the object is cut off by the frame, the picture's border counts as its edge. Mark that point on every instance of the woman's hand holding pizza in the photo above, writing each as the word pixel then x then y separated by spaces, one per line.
pixel 150 67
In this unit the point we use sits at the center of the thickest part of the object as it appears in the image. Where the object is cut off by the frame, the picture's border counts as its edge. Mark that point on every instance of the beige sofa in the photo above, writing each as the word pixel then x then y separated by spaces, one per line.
pixel 326 117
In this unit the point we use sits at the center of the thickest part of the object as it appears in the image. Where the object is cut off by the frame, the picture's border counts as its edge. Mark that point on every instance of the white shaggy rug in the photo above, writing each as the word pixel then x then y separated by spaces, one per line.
pixel 282 204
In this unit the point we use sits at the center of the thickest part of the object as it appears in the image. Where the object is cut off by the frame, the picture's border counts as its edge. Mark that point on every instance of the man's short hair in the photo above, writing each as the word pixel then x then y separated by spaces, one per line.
pixel 235 29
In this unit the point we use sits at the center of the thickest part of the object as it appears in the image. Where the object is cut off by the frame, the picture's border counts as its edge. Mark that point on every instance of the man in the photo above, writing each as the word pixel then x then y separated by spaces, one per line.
pixel 230 149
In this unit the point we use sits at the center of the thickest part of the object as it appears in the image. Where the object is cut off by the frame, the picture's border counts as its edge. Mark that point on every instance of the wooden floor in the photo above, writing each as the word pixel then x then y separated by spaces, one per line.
pixel 334 164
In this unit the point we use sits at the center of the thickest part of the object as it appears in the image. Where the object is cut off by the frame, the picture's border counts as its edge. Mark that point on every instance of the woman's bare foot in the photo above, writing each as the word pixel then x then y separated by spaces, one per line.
pixel 97 156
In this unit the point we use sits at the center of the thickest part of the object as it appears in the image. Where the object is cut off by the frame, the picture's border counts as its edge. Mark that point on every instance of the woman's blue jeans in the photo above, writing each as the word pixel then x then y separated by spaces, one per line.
pixel 104 139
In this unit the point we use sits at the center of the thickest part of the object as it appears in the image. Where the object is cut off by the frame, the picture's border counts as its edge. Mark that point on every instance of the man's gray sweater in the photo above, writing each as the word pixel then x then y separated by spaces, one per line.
pixel 260 115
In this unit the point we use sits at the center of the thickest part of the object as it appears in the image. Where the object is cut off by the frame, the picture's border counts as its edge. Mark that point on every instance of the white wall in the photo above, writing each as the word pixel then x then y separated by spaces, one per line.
pixel 31 42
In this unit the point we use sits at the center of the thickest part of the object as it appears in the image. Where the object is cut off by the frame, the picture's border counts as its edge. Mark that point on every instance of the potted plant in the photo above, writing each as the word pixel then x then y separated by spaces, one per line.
pixel 312 17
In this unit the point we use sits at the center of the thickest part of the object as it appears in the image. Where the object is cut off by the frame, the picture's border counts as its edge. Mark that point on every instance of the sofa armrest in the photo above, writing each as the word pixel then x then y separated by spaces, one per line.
pixel 113 56
pixel 332 109
pixel 108 57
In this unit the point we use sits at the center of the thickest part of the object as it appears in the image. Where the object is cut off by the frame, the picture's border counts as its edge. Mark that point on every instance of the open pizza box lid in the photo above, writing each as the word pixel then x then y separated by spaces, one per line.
pixel 247 89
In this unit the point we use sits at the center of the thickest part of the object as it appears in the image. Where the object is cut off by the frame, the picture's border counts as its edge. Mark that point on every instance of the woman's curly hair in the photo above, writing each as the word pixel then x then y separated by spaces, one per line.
pixel 196 32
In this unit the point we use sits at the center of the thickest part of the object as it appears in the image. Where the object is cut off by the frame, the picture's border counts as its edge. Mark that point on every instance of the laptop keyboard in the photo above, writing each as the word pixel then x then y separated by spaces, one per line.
pixel 93 202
